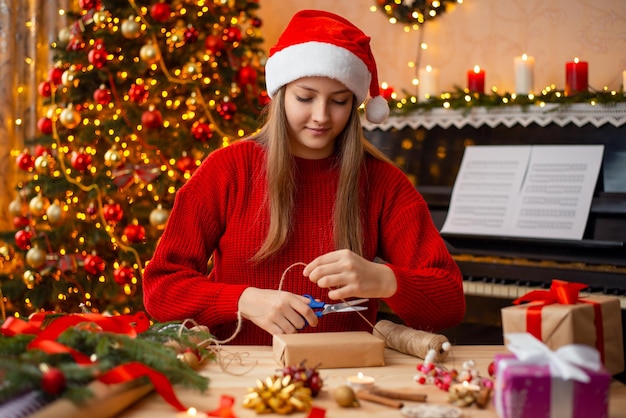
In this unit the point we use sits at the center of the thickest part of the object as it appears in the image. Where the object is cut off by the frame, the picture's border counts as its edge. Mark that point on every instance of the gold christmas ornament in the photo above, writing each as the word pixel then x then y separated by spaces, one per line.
pixel 158 217
pixel 100 17
pixel 131 28
pixel 190 359
pixel 29 278
pixel 36 257
pixel 149 53
pixel 113 157
pixel 38 205
pixel 54 213
pixel 68 78
pixel 43 163
pixel 64 36
pixel 17 208
pixel 69 117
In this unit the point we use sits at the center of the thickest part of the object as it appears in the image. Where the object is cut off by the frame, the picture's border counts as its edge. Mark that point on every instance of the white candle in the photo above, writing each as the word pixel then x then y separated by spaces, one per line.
pixel 361 381
pixel 428 82
pixel 524 74
pixel 624 82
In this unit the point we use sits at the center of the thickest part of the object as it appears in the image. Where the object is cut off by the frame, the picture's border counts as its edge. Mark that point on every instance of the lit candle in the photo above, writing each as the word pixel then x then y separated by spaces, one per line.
pixel 576 76
pixel 361 381
pixel 429 82
pixel 624 82
pixel 191 412
pixel 524 74
pixel 476 80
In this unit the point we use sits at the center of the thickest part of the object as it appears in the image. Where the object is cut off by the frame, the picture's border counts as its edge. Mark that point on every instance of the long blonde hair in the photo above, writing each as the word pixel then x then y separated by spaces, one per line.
pixel 351 148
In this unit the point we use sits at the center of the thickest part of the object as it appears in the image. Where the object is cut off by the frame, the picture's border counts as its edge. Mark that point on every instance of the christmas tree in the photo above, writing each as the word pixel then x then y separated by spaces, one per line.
pixel 140 91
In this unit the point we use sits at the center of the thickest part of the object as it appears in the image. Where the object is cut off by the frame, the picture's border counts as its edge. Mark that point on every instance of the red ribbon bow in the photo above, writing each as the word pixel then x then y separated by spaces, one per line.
pixel 563 293
pixel 125 173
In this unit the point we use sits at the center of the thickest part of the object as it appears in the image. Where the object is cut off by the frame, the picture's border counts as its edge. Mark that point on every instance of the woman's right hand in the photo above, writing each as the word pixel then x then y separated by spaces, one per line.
pixel 277 312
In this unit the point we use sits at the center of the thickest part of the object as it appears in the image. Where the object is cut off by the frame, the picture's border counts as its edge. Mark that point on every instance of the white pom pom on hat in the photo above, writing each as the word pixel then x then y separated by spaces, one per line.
pixel 320 43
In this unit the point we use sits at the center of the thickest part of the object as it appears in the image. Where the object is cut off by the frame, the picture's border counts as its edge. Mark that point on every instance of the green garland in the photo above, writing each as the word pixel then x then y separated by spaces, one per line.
pixel 158 347
pixel 464 100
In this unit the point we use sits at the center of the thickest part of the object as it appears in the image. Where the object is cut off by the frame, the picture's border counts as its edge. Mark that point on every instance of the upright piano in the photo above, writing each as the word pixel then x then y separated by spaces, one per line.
pixel 429 147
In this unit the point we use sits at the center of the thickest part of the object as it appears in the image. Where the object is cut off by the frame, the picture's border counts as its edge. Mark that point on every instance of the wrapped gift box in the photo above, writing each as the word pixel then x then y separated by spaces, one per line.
pixel 357 349
pixel 532 387
pixel 595 321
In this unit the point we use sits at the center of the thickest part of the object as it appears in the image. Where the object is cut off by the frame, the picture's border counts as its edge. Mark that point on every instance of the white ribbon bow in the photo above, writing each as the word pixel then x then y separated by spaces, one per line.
pixel 566 362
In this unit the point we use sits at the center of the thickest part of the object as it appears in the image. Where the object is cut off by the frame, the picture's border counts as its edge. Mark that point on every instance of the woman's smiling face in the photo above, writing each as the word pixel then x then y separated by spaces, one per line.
pixel 317 110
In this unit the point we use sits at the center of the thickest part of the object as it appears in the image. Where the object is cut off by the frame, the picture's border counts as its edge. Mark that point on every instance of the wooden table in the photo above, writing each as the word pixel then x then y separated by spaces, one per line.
pixel 397 373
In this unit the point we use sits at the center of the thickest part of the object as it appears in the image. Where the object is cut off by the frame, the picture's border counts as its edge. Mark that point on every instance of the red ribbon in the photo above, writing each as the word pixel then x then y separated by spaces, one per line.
pixel 125 173
pixel 563 293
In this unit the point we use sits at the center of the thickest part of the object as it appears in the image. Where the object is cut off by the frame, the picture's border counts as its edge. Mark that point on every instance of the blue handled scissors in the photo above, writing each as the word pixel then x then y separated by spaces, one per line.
pixel 323 308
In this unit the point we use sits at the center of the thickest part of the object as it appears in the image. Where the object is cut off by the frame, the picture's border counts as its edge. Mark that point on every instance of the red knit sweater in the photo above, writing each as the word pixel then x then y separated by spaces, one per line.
pixel 220 211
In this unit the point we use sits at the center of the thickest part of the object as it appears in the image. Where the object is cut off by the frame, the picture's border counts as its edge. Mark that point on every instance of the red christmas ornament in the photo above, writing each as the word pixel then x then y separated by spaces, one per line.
pixel 20 222
pixel 191 34
pixel 25 161
pixel 89 4
pixel 247 76
pixel 227 110
pixel 201 131
pixel 53 381
pixel 160 12
pixel 76 44
pixel 55 74
pixel 232 34
pixel 44 89
pixel 138 93
pixel 256 22
pixel 41 150
pixel 186 164
pixel 102 95
pixel 23 239
pixel 80 161
pixel 214 44
pixel 112 212
pixel 263 99
pixel 123 275
pixel 152 119
pixel 97 56
pixel 45 125
pixel 93 264
pixel 135 233
pixel 386 92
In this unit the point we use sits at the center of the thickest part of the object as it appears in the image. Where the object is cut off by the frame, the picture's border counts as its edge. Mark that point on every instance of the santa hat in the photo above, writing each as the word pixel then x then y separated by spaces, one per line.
pixel 320 43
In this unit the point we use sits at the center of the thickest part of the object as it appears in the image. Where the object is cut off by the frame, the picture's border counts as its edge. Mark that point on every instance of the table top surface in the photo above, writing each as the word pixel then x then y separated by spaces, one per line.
pixel 398 372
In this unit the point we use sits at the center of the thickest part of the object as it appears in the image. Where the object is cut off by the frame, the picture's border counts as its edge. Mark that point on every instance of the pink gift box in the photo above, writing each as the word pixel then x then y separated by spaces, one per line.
pixel 525 389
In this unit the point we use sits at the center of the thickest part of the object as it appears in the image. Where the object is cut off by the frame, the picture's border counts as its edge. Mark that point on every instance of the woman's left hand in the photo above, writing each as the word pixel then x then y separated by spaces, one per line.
pixel 350 275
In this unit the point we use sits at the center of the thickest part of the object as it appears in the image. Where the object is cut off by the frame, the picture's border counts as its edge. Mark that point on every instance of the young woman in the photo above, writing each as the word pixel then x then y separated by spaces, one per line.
pixel 305 206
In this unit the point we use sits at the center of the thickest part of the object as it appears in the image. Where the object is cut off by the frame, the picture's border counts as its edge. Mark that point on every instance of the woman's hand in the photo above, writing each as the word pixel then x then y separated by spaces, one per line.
pixel 277 312
pixel 349 275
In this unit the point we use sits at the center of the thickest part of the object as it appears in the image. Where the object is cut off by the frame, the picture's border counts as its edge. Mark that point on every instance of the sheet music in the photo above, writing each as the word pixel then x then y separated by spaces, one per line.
pixel 538 191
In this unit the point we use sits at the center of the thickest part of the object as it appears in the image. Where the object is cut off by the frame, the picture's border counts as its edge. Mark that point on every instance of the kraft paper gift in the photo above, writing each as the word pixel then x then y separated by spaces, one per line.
pixel 330 350
pixel 538 382
pixel 560 317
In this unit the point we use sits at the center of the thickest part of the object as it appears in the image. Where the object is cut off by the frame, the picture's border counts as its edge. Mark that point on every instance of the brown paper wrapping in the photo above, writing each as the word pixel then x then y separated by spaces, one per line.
pixel 574 324
pixel 330 350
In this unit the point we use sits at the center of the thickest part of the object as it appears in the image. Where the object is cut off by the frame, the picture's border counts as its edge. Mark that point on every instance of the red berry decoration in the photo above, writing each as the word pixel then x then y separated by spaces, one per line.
pixel 45 125
pixel 80 161
pixel 309 376
pixel 135 233
pixel 25 161
pixel 112 212
pixel 23 239
pixel 53 381
pixel 138 93
pixel 160 12
pixel 152 119
pixel 201 131
pixel 191 34
pixel 44 89
pixel 123 275
pixel 93 264
pixel 491 369
pixel 102 95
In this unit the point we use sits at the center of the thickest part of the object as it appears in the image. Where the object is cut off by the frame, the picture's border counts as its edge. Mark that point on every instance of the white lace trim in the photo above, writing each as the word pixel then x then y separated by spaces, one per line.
pixel 578 114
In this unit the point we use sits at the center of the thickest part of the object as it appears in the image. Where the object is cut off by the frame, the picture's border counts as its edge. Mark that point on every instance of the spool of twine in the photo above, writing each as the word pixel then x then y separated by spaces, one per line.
pixel 411 341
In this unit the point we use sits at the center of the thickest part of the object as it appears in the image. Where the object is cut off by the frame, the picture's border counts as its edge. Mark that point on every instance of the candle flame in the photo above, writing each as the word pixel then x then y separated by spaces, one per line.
pixel 192 412
pixel 524 57
pixel 429 68
pixel 576 60
pixel 476 69
pixel 360 375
